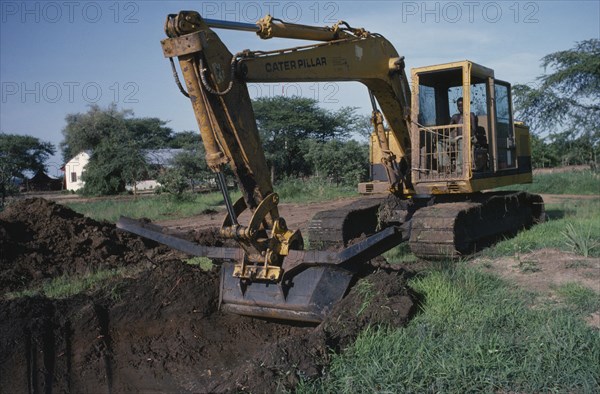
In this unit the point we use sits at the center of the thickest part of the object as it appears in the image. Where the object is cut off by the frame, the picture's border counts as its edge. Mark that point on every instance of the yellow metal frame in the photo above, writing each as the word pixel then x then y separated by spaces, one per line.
pixel 464 183
pixel 467 68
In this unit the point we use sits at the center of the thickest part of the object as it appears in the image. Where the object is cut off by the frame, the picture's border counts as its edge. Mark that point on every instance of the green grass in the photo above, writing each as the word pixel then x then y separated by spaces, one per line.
pixel 204 263
pixel 584 215
pixel 580 239
pixel 579 298
pixel 66 286
pixel 574 182
pixel 474 333
pixel 294 190
pixel 400 254
pixel 367 291
pixel 164 206
pixel 155 207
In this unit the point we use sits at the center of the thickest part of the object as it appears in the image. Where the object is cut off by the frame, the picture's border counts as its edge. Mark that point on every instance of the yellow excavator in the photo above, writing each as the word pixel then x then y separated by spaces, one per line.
pixel 433 166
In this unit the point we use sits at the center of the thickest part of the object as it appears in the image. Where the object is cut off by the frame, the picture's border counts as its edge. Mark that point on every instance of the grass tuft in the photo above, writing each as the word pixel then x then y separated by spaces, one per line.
pixel 580 240
pixel 67 286
pixel 400 254
pixel 367 291
pixel 204 263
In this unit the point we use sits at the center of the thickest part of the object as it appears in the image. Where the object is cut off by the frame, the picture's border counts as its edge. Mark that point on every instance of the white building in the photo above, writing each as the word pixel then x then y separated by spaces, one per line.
pixel 74 168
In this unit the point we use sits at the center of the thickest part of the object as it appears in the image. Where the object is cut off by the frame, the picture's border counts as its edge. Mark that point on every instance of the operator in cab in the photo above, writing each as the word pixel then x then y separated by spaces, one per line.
pixel 453 152
pixel 458 118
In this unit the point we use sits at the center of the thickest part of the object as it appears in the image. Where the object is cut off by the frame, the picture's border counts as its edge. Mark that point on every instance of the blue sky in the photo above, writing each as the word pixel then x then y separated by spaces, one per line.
pixel 57 57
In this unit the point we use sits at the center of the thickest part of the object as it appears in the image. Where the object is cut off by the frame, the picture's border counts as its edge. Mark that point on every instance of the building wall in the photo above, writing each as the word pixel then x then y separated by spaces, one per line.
pixel 74 169
pixel 145 185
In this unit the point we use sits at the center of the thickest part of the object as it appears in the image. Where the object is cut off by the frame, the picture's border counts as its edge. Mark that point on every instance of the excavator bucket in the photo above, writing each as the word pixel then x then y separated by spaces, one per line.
pixel 309 296
pixel 311 284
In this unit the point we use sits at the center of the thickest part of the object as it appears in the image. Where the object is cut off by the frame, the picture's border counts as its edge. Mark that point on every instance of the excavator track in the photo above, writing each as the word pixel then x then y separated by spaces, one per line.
pixel 440 228
pixel 450 230
pixel 336 228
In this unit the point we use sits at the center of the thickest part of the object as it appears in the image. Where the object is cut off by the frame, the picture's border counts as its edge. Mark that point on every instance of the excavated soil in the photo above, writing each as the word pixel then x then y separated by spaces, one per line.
pixel 156 328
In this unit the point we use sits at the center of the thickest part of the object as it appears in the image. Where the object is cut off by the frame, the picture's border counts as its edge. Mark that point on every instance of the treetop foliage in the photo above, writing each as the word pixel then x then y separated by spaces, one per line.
pixel 86 131
pixel 300 117
pixel 568 96
pixel 576 71
pixel 565 102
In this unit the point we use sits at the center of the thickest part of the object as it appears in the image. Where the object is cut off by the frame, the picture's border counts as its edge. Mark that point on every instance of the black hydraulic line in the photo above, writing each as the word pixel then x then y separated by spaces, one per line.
pixel 229 25
pixel 373 102
pixel 228 204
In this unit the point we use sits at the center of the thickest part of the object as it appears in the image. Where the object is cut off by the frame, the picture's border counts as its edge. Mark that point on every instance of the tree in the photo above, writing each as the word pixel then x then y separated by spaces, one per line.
pixel 543 154
pixel 84 131
pixel 185 140
pixel 113 165
pixel 18 154
pixel 285 123
pixel 566 100
pixel 172 181
pixel 192 167
pixel 342 162
pixel 364 126
pixel 117 141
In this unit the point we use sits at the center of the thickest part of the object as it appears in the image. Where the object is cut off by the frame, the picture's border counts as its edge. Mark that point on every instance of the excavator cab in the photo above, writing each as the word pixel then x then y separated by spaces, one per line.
pixel 468 147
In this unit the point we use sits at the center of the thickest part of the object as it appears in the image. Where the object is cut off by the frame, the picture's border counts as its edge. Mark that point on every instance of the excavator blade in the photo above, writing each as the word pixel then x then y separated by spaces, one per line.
pixel 312 281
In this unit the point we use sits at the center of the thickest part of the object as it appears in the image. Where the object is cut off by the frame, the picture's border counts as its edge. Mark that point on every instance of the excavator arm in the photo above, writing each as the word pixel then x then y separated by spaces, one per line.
pixel 228 130
pixel 216 85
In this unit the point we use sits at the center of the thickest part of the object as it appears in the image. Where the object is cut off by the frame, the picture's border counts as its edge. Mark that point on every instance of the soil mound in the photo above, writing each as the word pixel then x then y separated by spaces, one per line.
pixel 40 239
pixel 160 329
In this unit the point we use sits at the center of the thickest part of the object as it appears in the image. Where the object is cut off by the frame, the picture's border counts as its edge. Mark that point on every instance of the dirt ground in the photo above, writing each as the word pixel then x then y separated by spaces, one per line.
pixel 158 328
pixel 544 271
pixel 296 216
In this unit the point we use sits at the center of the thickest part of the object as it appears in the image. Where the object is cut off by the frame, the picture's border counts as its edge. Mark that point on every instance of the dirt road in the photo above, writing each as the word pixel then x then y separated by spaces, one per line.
pixel 297 216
